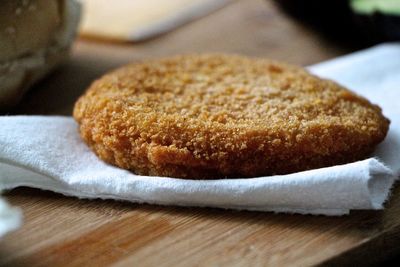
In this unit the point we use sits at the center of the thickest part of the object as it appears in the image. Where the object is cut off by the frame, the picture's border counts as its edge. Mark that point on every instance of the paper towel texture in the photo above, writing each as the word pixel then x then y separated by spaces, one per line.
pixel 47 152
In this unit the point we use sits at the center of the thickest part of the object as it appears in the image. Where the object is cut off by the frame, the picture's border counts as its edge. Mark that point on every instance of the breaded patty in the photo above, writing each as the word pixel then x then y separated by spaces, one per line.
pixel 216 116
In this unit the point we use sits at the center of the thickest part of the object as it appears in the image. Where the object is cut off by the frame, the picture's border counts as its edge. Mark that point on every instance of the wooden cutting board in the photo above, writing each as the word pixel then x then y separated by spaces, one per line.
pixel 65 231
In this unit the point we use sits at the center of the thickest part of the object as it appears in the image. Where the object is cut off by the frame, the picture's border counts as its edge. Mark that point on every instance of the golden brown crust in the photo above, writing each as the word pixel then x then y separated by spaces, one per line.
pixel 213 116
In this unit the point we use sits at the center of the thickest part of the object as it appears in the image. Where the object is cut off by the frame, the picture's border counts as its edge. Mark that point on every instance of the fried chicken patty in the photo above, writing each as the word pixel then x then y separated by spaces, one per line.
pixel 216 116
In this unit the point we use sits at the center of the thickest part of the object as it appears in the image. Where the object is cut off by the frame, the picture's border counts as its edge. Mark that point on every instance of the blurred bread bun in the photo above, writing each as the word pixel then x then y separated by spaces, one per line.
pixel 35 37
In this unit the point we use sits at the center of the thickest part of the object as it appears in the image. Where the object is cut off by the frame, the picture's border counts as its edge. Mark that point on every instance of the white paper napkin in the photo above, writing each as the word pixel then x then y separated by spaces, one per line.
pixel 10 218
pixel 47 152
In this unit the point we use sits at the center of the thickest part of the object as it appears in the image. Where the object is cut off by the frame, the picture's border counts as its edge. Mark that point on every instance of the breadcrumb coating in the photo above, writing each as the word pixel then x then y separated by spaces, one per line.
pixel 215 116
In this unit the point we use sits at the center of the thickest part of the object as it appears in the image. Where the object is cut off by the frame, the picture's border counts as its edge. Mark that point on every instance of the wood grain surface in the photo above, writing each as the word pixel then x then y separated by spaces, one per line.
pixel 65 231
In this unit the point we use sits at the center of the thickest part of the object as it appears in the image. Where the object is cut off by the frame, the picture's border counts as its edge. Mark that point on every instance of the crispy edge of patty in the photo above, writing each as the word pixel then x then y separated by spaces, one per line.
pixel 214 150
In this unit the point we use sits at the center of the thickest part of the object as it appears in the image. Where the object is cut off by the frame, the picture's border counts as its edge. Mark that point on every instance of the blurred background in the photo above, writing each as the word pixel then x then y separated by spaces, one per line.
pixel 359 22
pixel 301 32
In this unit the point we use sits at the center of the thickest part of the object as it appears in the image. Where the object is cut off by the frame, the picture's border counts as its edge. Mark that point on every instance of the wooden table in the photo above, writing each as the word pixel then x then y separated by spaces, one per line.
pixel 62 230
